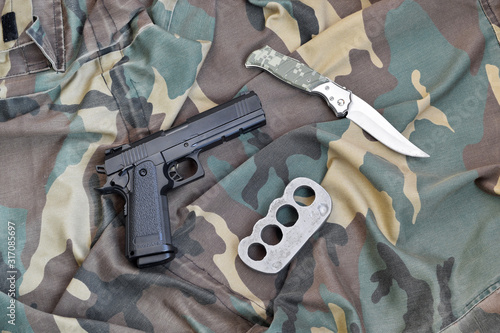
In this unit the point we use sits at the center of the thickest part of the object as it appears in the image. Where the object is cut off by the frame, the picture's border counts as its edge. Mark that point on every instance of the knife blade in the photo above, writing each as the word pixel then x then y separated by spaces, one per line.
pixel 341 100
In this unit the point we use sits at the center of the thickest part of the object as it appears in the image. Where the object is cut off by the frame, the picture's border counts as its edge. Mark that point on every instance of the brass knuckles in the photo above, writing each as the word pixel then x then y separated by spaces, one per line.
pixel 266 256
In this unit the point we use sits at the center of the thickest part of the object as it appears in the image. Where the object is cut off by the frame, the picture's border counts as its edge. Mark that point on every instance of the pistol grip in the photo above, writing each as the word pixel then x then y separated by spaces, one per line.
pixel 148 239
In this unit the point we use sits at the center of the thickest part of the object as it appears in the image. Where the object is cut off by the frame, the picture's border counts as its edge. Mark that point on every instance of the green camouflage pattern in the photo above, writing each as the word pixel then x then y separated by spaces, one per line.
pixel 285 68
pixel 411 244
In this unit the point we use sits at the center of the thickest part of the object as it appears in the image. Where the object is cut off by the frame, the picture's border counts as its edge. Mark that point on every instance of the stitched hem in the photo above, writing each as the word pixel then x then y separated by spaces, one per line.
pixel 33 61
pixel 474 303
pixel 488 8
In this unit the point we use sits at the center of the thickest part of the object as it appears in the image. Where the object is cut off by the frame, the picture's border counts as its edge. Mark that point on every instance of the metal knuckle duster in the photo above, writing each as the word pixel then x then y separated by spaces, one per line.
pixel 276 252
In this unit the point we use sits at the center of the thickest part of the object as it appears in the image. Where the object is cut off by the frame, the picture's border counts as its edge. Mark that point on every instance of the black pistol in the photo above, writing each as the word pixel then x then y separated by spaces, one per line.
pixel 144 171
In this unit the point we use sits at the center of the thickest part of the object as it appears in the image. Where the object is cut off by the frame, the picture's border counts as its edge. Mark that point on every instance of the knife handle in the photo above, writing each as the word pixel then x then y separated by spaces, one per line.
pixel 286 68
pixel 301 76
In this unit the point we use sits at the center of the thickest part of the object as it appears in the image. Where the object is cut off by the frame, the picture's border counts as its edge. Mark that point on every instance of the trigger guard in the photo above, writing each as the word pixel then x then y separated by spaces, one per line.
pixel 176 178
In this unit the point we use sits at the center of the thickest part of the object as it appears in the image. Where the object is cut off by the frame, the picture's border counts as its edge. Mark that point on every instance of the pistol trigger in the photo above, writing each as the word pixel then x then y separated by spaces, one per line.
pixel 184 170
pixel 173 172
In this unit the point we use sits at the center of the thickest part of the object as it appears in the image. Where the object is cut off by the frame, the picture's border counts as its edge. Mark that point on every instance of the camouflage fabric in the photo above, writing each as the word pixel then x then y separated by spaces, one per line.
pixel 411 244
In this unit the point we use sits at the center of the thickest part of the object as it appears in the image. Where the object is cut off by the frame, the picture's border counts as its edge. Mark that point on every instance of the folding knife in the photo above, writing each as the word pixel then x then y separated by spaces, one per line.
pixel 341 100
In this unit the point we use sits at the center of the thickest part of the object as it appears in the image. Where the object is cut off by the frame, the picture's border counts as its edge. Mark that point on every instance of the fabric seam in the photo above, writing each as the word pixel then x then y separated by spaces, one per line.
pixel 143 112
pixel 490 16
pixel 55 33
pixel 475 302
pixel 487 3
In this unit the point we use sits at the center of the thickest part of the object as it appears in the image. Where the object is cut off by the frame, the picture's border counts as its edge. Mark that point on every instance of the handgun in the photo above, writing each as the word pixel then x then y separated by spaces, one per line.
pixel 143 172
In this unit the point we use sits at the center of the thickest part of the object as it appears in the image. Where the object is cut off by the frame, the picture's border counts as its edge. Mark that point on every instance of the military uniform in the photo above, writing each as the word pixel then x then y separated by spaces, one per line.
pixel 411 244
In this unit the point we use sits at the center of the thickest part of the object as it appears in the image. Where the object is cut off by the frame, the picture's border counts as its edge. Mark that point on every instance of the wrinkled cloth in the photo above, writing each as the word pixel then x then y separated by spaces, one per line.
pixel 411 244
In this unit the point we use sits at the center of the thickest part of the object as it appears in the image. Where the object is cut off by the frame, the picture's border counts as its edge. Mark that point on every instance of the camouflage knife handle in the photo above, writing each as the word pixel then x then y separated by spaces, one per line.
pixel 301 76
